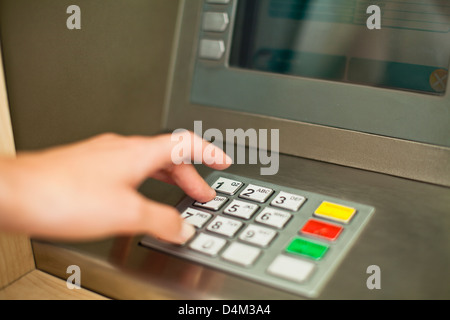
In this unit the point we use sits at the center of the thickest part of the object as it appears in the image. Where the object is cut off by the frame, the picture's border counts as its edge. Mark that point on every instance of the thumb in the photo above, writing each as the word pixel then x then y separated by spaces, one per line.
pixel 163 222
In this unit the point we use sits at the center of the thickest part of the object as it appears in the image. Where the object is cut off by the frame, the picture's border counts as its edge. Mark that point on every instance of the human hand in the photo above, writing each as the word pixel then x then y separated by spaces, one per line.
pixel 88 190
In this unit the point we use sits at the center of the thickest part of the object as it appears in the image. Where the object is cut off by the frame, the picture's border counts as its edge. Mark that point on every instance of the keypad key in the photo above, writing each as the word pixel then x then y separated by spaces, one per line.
pixel 256 193
pixel 273 217
pixel 207 244
pixel 336 212
pixel 196 217
pixel 322 230
pixel 257 235
pixel 241 209
pixel 288 201
pixel 291 268
pixel 225 226
pixel 227 186
pixel 213 205
pixel 241 254
pixel 307 248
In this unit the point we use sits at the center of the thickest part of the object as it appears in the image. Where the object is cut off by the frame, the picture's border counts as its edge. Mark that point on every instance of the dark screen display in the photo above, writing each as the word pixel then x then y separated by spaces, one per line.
pixel 331 40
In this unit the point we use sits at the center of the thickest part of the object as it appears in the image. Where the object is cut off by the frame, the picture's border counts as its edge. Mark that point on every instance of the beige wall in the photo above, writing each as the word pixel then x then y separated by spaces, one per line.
pixel 6 135
pixel 16 258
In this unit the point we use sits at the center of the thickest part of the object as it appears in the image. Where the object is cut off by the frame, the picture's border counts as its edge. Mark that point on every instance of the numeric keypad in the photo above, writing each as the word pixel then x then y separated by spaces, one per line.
pixel 283 237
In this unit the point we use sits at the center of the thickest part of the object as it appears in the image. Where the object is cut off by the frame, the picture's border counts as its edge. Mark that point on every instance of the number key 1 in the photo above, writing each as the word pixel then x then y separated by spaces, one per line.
pixel 227 186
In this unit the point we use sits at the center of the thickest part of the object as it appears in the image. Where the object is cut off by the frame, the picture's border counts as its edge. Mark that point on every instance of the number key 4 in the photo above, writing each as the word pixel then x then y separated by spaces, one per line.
pixel 214 205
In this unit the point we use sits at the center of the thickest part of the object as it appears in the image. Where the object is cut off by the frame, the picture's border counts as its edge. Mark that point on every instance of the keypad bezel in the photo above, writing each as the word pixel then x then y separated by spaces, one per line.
pixel 323 268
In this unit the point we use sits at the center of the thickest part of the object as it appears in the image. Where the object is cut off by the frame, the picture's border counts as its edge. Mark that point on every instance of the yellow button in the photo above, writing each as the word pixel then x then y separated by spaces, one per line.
pixel 335 212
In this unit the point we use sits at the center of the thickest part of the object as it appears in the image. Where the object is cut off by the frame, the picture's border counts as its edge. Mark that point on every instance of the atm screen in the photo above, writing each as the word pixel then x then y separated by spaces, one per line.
pixel 331 40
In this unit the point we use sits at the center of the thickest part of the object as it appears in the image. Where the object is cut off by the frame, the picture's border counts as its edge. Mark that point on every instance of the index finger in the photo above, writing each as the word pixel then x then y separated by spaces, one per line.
pixel 184 147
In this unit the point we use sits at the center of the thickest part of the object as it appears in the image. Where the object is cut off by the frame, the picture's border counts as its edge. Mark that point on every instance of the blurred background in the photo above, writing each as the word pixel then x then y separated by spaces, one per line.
pixel 66 85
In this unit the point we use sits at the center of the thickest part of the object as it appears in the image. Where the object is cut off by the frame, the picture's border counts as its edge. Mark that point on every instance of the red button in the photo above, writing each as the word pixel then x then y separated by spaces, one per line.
pixel 322 230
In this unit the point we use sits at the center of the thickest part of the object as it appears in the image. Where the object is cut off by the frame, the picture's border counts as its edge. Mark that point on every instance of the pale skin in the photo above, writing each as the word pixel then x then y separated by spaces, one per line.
pixel 88 190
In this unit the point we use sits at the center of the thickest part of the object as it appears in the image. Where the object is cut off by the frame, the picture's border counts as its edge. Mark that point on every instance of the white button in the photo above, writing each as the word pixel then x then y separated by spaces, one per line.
pixel 227 186
pixel 291 269
pixel 215 21
pixel 214 205
pixel 256 193
pixel 224 226
pixel 207 244
pixel 241 254
pixel 211 49
pixel 288 201
pixel 195 217
pixel 241 209
pixel 218 1
pixel 273 217
pixel 257 235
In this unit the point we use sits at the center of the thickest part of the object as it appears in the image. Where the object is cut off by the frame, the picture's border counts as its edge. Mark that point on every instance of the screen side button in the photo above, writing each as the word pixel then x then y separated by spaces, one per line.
pixel 218 1
pixel 211 49
pixel 215 21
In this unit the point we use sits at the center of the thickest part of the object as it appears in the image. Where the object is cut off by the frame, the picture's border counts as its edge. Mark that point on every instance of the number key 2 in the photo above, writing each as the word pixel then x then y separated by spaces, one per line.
pixel 256 193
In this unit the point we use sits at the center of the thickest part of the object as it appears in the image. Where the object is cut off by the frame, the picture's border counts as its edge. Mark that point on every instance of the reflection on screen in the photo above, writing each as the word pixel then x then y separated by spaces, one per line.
pixel 329 39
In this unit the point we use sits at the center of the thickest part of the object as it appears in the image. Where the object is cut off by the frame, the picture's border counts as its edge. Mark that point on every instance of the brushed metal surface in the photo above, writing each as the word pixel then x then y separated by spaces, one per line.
pixel 66 85
pixel 408 238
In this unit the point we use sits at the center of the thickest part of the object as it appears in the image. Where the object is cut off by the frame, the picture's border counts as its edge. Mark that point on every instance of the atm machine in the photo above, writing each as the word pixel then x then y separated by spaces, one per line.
pixel 359 207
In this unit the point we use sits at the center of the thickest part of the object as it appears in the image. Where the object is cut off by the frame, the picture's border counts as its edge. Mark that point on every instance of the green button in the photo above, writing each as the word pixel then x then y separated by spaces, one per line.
pixel 307 248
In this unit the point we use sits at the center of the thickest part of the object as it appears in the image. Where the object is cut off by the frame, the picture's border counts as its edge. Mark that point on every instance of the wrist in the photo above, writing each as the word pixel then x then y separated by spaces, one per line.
pixel 7 197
